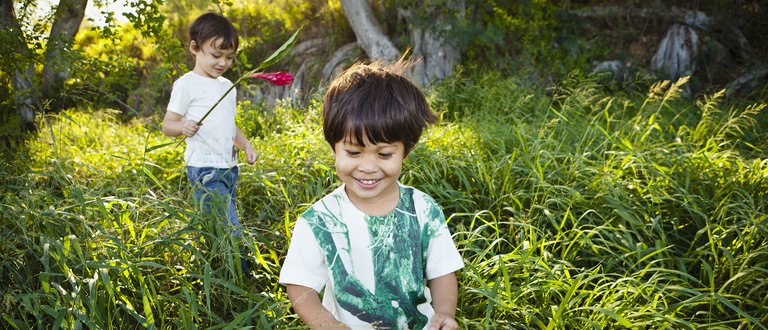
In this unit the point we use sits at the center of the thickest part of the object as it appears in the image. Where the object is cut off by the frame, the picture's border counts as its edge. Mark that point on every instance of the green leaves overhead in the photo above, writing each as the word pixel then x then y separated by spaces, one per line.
pixel 280 52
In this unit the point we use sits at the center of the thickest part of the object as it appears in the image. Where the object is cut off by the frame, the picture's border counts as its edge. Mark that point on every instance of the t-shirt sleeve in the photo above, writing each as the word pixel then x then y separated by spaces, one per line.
pixel 442 256
pixel 180 98
pixel 304 263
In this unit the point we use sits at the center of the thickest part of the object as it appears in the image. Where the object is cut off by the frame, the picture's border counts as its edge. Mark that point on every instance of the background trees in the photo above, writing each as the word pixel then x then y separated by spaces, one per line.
pixel 59 61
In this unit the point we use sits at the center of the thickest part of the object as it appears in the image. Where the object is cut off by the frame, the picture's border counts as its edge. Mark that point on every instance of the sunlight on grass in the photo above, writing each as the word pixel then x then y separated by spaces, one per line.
pixel 581 208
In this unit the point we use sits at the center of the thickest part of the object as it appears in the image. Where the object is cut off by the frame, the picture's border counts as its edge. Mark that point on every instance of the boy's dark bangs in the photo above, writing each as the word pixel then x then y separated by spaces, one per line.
pixel 369 131
pixel 228 43
pixel 375 122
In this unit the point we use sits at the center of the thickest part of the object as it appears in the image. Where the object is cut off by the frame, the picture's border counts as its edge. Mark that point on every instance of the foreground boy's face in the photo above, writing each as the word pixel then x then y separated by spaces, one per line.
pixel 370 174
pixel 210 61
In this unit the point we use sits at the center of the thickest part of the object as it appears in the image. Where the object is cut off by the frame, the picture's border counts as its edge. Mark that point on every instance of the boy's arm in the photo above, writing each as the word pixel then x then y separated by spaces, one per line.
pixel 242 142
pixel 306 303
pixel 174 125
pixel 444 290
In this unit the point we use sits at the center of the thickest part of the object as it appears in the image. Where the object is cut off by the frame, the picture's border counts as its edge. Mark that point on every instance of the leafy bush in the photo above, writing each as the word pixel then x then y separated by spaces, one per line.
pixel 133 73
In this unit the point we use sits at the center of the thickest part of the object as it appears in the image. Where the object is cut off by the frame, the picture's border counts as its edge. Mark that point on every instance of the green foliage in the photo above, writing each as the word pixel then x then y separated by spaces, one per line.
pixel 146 16
pixel 612 202
pixel 132 73
pixel 130 67
pixel 575 208
pixel 499 32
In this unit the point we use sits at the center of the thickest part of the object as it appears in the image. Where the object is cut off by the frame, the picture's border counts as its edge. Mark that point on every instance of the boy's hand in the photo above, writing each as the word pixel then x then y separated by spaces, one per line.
pixel 251 155
pixel 443 322
pixel 190 128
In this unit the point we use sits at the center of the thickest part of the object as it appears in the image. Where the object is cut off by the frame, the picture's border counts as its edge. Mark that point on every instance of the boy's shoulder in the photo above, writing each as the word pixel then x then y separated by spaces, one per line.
pixel 185 77
pixel 193 78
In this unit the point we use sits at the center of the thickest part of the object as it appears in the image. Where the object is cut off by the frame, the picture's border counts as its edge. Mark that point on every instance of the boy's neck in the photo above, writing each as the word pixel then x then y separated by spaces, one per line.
pixel 379 207
pixel 204 75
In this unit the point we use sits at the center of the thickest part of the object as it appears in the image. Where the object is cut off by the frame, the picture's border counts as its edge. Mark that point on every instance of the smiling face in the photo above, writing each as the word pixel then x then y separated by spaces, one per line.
pixel 370 173
pixel 210 60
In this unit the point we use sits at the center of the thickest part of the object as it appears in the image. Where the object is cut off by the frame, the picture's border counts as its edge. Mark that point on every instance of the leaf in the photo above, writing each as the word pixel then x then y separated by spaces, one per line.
pixel 151 176
pixel 280 52
pixel 238 321
pixel 158 146
pixel 152 264
pixel 738 310
pixel 70 119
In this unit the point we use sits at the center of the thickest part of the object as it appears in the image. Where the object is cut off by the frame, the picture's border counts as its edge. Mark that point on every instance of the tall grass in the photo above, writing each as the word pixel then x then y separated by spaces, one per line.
pixel 576 207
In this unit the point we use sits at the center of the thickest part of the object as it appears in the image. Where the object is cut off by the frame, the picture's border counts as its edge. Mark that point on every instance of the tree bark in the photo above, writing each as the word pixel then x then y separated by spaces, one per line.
pixel 438 57
pixel 331 68
pixel 368 31
pixel 69 15
pixel 26 98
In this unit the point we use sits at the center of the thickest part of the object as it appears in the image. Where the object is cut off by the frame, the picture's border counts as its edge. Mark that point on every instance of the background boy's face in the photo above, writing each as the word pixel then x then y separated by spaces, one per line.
pixel 370 173
pixel 210 61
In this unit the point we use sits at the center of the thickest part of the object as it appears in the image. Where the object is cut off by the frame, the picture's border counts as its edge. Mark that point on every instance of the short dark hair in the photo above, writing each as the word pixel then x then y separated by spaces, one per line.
pixel 375 102
pixel 211 25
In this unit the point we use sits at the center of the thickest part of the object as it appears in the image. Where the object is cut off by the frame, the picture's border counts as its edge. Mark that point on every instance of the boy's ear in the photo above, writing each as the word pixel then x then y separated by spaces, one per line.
pixel 193 47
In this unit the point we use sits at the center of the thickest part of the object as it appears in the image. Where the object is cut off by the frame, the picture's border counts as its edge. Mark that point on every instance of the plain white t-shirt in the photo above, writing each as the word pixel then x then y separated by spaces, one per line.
pixel 373 268
pixel 213 145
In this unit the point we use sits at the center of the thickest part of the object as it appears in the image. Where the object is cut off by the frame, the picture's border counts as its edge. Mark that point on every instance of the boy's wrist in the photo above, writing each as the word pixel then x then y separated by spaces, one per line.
pixel 451 314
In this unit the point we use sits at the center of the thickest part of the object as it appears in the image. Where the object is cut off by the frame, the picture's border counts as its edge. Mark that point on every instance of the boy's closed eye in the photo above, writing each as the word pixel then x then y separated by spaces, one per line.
pixel 219 55
pixel 383 155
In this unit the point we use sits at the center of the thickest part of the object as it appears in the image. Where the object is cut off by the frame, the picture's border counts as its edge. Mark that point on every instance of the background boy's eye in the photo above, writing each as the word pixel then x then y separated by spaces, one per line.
pixel 385 155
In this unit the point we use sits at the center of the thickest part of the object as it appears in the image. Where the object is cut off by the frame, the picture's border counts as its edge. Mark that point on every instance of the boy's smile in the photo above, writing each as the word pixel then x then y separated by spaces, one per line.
pixel 370 174
pixel 210 61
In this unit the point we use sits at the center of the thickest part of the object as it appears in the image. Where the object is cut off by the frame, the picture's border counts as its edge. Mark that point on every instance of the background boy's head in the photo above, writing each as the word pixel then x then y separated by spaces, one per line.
pixel 213 26
pixel 213 43
pixel 375 103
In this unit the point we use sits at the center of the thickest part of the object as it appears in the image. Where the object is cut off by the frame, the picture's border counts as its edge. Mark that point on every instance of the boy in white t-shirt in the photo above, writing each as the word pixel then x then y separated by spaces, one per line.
pixel 380 250
pixel 211 154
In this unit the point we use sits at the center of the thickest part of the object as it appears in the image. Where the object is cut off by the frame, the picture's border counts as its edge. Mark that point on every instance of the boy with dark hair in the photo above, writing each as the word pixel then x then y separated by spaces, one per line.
pixel 211 152
pixel 380 249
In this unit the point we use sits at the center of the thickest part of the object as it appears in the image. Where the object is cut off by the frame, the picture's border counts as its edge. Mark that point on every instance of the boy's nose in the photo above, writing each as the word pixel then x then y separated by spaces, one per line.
pixel 367 164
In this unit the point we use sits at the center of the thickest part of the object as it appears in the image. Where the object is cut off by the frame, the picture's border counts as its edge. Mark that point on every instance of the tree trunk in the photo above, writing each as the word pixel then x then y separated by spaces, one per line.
pixel 26 99
pixel 369 34
pixel 438 56
pixel 69 15
pixel 343 53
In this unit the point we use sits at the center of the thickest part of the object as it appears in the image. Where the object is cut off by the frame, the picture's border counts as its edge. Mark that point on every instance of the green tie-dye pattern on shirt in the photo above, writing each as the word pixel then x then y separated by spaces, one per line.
pixel 399 250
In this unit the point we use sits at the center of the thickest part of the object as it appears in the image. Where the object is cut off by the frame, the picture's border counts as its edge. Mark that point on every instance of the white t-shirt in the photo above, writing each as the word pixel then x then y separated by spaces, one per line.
pixel 373 268
pixel 213 145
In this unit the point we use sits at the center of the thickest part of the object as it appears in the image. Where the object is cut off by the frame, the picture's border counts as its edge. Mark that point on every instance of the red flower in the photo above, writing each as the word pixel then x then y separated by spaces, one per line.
pixel 276 78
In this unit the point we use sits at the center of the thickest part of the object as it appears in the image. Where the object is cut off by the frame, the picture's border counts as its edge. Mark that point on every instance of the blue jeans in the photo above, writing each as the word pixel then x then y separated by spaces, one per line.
pixel 216 190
